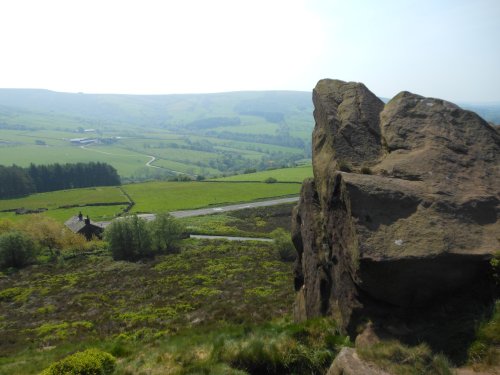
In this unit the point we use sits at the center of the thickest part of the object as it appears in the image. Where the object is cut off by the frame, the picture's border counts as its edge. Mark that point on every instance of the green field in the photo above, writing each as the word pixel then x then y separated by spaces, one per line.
pixel 172 196
pixel 56 199
pixel 148 197
pixel 126 162
pixel 55 202
pixel 295 174
pixel 96 213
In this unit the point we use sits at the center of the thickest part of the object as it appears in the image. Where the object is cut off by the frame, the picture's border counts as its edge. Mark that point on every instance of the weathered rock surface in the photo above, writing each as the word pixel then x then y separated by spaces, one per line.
pixel 419 229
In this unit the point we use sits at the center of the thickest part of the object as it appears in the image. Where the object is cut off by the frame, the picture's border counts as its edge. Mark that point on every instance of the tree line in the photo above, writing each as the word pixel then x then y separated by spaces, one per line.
pixel 16 181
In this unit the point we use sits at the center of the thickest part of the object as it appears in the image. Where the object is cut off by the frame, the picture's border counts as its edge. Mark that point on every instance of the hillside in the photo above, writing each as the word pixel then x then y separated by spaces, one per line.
pixel 157 136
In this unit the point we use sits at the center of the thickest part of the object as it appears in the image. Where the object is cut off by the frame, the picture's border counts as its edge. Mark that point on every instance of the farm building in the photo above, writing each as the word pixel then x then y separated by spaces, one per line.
pixel 85 227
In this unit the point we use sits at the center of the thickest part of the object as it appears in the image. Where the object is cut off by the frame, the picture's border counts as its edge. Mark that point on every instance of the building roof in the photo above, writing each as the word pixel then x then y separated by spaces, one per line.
pixel 76 225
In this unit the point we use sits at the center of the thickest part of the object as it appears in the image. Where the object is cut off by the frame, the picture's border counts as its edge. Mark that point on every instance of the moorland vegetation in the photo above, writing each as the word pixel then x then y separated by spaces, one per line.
pixel 201 306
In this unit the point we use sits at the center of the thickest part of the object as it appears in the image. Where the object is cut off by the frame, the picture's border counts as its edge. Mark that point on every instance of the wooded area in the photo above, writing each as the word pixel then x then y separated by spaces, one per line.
pixel 17 182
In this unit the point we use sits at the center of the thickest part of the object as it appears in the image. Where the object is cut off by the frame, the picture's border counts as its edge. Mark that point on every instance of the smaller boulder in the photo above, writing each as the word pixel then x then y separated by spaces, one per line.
pixel 347 362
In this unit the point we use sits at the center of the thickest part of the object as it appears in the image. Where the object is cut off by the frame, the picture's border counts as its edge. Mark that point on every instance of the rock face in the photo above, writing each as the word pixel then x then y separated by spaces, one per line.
pixel 414 222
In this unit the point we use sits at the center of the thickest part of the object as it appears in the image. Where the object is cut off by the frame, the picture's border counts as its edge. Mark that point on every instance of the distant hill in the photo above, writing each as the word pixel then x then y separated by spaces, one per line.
pixel 176 110
pixel 158 110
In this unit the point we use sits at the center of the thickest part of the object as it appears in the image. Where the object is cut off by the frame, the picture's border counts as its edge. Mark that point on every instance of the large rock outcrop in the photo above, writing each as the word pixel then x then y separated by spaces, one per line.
pixel 411 222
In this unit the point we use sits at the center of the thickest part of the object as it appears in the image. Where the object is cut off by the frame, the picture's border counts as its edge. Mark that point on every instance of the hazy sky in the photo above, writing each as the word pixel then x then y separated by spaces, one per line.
pixel 441 48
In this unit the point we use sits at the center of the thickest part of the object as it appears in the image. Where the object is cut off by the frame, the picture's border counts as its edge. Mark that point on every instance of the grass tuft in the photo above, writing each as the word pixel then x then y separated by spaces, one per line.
pixel 400 359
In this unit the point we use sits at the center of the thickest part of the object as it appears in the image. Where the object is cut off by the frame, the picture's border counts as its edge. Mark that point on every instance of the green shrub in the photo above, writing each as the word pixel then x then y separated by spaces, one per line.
pixel 120 350
pixel 133 238
pixel 284 245
pixel 129 239
pixel 166 232
pixel 270 180
pixel 17 250
pixel 88 362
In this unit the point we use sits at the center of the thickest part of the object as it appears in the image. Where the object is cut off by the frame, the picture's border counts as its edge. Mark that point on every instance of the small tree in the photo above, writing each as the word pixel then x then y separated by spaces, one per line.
pixel 16 250
pixel 46 232
pixel 129 239
pixel 165 231
pixel 284 245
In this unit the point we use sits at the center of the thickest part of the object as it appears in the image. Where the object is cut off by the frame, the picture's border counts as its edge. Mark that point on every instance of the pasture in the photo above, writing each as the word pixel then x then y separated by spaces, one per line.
pixel 94 202
pixel 105 203
pixel 172 196
pixel 75 197
pixel 295 174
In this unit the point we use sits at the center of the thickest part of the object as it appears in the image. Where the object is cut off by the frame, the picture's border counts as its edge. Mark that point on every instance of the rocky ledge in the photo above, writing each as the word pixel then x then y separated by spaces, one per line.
pixel 401 219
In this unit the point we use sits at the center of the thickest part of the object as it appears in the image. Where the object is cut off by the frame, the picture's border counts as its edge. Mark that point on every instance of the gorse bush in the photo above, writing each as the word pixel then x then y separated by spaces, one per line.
pixel 88 362
pixel 17 250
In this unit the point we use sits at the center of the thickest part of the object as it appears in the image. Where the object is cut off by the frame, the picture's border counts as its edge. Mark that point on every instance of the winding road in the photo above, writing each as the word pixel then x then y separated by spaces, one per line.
pixel 148 164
